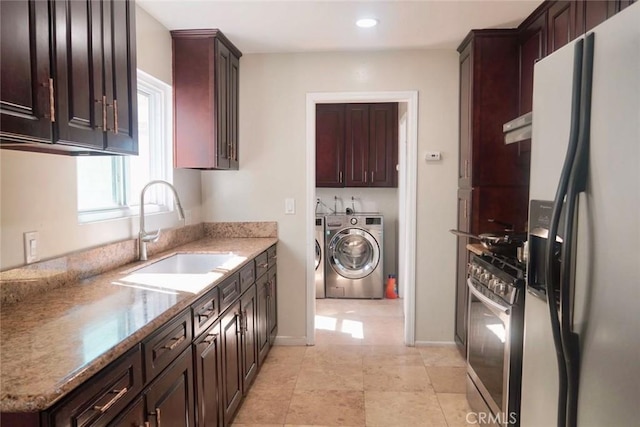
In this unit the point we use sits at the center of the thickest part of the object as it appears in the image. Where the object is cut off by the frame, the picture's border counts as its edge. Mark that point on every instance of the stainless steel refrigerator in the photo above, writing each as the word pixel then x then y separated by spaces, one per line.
pixel 581 352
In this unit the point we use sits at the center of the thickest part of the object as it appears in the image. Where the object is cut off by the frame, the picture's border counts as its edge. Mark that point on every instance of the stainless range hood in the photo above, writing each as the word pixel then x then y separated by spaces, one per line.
pixel 518 129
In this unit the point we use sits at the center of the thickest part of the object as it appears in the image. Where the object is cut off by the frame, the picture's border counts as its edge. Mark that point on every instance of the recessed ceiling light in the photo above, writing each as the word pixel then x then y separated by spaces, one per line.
pixel 366 22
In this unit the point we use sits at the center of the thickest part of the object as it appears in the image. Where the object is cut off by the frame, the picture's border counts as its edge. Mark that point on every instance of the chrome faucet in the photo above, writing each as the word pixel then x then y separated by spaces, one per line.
pixel 143 236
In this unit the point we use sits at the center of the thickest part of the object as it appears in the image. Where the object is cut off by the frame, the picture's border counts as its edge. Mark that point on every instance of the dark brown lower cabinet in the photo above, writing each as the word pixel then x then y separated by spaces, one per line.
pixel 133 416
pixel 208 377
pixel 231 346
pixel 272 311
pixel 262 308
pixel 169 399
pixel 175 377
pixel 249 348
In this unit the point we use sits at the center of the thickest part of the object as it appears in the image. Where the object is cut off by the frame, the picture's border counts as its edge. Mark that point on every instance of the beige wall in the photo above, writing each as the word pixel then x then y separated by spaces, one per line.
pixel 273 90
pixel 38 191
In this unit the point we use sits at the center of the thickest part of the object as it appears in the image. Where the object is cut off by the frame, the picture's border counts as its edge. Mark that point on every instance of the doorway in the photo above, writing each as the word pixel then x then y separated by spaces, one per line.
pixel 407 161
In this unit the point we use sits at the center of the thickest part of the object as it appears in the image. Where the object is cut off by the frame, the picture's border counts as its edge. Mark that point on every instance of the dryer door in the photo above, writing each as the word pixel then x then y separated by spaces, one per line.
pixel 318 254
pixel 353 253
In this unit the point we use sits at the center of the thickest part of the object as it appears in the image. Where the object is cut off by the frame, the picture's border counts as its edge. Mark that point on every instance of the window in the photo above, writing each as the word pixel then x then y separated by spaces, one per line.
pixel 110 186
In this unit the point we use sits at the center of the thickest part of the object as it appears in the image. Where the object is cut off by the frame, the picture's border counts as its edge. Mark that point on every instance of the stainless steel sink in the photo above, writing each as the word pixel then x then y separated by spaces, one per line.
pixel 188 264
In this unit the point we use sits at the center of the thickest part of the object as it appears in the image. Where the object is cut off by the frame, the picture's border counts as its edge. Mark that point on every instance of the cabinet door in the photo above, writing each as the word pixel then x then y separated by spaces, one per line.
pixel 357 145
pixel 169 399
pixel 561 25
pixel 81 107
pixel 133 416
pixel 464 224
pixel 532 48
pixel 272 314
pixel 223 66
pixel 262 309
pixel 330 145
pixel 466 111
pixel 383 145
pixel 592 12
pixel 208 377
pixel 25 107
pixel 234 88
pixel 120 76
pixel 249 330
pixel 231 362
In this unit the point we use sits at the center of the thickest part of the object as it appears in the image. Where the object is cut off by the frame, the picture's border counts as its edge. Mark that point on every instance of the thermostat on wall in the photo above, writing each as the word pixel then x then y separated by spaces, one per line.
pixel 432 156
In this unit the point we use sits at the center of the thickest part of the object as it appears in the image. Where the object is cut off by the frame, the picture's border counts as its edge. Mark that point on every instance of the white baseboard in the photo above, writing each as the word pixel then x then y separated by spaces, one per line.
pixel 432 343
pixel 291 341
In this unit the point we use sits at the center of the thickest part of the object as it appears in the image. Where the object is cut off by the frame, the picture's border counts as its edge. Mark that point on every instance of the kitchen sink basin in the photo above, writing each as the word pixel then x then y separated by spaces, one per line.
pixel 189 264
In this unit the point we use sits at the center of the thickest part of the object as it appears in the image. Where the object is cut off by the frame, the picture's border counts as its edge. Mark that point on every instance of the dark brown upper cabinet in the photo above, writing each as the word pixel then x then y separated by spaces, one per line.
pixel 356 145
pixel 371 145
pixel 330 145
pixel 206 71
pixel 488 99
pixel 72 85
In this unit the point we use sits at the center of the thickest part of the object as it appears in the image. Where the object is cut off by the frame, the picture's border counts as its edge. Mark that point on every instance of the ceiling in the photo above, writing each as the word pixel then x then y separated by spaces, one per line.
pixel 266 26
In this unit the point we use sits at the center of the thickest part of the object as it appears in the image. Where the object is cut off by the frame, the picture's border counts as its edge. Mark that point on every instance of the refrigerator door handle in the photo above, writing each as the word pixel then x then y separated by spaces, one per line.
pixel 577 183
pixel 576 93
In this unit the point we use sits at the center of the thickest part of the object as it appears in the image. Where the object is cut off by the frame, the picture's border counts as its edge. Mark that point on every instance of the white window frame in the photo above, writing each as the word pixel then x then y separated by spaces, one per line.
pixel 158 198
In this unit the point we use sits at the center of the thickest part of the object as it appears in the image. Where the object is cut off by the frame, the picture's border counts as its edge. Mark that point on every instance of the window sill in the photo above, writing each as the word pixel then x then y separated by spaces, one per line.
pixel 118 213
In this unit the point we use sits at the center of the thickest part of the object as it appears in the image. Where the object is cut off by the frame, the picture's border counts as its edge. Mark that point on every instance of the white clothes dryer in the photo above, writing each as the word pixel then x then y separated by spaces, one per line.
pixel 319 260
pixel 354 256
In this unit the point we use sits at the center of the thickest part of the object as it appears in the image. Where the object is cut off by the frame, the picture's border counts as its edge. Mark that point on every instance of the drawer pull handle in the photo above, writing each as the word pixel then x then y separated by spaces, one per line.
pixel 110 403
pixel 210 338
pixel 207 313
pixel 264 265
pixel 175 344
pixel 274 256
pixel 52 102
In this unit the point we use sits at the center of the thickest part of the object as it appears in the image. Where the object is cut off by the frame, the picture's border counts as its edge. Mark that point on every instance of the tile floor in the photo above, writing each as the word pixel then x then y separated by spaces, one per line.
pixel 359 373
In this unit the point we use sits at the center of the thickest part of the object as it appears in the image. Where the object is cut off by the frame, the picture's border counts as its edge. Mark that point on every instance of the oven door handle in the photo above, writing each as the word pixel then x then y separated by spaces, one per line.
pixel 487 301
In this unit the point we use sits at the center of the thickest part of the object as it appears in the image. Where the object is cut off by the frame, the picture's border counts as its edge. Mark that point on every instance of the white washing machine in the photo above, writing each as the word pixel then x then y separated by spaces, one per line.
pixel 319 261
pixel 354 256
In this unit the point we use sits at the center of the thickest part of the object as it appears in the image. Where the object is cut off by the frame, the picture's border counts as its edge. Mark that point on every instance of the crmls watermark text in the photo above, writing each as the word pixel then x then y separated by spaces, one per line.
pixel 487 418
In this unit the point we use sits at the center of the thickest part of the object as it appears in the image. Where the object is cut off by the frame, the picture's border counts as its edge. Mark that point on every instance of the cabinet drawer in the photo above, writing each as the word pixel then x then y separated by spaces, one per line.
pixel 229 291
pixel 262 264
pixel 272 255
pixel 104 396
pixel 247 276
pixel 166 344
pixel 205 311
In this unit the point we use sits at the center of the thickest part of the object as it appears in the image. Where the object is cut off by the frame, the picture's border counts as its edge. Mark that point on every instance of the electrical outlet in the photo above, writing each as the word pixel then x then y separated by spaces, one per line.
pixel 31 239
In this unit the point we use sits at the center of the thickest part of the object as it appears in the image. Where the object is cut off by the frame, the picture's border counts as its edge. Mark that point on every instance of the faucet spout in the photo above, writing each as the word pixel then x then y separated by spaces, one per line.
pixel 143 236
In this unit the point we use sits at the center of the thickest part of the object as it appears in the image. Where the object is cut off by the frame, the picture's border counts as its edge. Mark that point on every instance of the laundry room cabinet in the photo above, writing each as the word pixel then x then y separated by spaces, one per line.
pixel 357 145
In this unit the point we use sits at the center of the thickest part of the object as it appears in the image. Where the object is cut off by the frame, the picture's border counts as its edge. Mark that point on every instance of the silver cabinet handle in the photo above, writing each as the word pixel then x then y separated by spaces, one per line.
pixel 264 265
pixel 340 174
pixel 157 415
pixel 210 338
pixel 175 344
pixel 52 102
pixel 110 403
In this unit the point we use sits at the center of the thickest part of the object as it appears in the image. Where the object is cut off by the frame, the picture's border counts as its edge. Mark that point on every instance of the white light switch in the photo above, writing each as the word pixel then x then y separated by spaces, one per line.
pixel 289 206
pixel 31 246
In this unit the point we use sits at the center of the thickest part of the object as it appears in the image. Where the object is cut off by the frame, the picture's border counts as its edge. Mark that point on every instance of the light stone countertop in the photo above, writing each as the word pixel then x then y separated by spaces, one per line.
pixel 54 341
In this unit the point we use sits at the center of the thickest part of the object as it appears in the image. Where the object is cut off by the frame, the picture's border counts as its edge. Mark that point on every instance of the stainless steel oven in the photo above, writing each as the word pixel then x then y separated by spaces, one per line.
pixel 494 340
